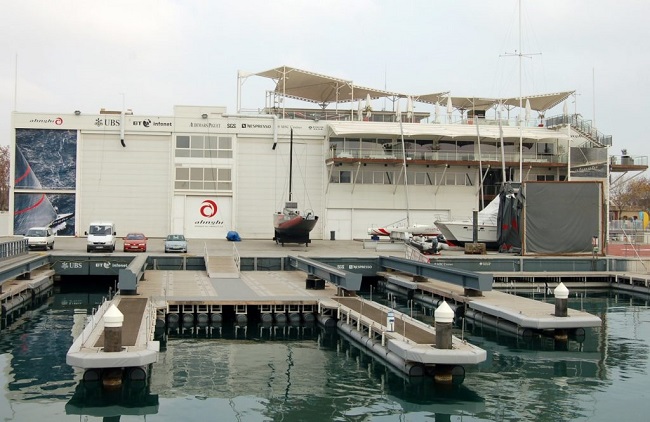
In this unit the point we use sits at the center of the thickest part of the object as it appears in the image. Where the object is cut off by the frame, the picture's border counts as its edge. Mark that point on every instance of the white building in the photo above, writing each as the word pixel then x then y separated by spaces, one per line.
pixel 203 172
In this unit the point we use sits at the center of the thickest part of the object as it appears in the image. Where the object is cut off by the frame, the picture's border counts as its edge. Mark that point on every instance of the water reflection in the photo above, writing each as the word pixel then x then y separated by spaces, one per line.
pixel 91 399
pixel 297 372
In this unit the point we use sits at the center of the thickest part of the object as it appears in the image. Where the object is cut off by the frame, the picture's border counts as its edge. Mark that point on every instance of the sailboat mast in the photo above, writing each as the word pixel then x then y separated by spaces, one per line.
pixel 290 161
pixel 521 136
pixel 406 190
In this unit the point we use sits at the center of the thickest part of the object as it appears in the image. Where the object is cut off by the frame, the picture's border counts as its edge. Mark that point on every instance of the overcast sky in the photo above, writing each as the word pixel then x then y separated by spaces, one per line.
pixel 66 55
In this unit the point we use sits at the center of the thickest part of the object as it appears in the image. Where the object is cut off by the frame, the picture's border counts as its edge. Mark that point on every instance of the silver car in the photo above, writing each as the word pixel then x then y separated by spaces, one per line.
pixel 175 243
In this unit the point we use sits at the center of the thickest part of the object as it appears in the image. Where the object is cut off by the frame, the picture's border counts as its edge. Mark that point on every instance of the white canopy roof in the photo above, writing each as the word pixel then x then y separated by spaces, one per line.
pixel 428 131
pixel 539 103
pixel 322 89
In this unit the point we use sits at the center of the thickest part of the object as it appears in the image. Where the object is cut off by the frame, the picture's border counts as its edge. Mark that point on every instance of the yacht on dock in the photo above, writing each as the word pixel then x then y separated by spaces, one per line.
pixel 461 231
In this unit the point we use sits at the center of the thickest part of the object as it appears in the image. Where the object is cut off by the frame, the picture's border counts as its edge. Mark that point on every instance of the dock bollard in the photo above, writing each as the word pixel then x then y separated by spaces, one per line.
pixel 113 320
pixel 561 300
pixel 444 316
pixel 390 321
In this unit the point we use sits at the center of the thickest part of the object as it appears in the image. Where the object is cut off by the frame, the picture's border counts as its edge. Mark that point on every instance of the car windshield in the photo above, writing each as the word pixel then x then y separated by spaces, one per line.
pixel 100 230
pixel 36 233
pixel 135 236
pixel 176 237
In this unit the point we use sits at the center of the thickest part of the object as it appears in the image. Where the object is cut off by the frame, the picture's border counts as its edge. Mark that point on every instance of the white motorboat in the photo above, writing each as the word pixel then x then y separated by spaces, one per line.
pixel 461 231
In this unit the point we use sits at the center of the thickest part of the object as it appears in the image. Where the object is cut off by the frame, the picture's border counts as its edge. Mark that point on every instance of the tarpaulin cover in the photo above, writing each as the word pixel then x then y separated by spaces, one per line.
pixel 509 221
pixel 562 217
pixel 233 236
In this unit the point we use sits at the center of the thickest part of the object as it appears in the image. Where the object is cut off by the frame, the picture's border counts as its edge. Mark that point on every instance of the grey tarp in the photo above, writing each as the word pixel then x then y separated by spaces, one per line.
pixel 562 217
pixel 509 220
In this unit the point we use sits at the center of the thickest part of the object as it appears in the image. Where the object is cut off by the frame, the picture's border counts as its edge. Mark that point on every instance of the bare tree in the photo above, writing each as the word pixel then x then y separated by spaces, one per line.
pixel 5 164
pixel 637 194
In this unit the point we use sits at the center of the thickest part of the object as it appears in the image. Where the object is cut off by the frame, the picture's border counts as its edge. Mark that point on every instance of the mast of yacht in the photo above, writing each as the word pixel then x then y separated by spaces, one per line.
pixel 503 155
pixel 398 114
pixel 480 165
pixel 521 129
pixel 290 161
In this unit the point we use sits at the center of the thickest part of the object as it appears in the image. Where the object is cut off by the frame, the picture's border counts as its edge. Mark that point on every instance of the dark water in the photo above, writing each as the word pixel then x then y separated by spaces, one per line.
pixel 306 373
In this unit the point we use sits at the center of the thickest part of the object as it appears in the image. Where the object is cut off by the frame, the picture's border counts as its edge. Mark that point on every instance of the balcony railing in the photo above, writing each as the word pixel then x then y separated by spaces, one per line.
pixel 581 125
pixel 446 156
pixel 627 160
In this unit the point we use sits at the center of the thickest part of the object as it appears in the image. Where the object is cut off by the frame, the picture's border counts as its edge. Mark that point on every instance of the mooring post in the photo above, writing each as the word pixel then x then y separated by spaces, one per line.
pixel 390 321
pixel 444 316
pixel 561 300
pixel 113 320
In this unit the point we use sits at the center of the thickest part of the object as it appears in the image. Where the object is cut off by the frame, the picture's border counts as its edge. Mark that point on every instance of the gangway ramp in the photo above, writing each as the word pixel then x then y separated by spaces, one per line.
pixel 222 266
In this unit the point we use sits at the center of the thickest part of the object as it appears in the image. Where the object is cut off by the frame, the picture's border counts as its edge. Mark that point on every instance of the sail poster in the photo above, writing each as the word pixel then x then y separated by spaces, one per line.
pixel 45 162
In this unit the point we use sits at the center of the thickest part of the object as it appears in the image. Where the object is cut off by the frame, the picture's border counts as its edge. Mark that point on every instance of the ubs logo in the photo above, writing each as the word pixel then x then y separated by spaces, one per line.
pixel 208 208
pixel 107 122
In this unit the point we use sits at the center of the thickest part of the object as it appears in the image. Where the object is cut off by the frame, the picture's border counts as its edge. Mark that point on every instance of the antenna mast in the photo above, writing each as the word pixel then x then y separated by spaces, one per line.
pixel 521 55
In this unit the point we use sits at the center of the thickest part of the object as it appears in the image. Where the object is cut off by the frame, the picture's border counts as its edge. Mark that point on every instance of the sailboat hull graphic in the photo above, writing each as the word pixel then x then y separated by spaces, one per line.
pixel 32 209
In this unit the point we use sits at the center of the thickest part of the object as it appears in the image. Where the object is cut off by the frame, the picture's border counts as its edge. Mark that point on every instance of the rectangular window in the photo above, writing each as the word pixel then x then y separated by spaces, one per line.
pixel 200 146
pixel 182 142
pixel 206 179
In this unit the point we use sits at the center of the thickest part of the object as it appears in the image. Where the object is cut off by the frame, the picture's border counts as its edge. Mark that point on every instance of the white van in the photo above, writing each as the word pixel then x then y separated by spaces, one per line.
pixel 101 236
pixel 40 237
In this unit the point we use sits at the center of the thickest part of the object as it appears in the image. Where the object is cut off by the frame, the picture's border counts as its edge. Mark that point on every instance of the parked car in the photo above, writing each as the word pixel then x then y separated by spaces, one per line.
pixel 175 243
pixel 136 242
pixel 40 238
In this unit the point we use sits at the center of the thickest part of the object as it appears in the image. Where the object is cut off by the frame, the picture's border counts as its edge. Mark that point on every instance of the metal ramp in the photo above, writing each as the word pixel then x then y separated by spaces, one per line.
pixel 221 267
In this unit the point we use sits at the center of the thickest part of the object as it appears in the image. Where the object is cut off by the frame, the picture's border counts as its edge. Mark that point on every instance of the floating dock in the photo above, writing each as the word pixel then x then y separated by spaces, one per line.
pixel 138 346
pixel 513 313
pixel 407 344
pixel 23 293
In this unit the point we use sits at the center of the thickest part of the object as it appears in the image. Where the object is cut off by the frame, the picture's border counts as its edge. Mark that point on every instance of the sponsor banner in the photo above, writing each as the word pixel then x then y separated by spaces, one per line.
pixel 71 267
pixel 208 217
pixel 106 267
pixel 181 124
pixel 366 267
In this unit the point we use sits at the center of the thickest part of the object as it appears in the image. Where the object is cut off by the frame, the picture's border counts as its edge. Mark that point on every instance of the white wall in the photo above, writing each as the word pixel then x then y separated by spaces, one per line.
pixel 262 177
pixel 130 185
pixel 381 205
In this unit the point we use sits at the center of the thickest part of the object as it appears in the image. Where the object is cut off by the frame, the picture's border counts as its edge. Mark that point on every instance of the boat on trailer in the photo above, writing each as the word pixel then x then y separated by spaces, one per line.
pixel 290 225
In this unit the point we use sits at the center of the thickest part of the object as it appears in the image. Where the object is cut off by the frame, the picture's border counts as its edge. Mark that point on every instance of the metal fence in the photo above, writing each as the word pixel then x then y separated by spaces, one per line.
pixel 13 248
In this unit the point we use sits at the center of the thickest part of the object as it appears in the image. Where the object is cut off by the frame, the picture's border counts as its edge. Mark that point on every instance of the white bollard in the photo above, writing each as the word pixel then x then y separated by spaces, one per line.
pixel 390 321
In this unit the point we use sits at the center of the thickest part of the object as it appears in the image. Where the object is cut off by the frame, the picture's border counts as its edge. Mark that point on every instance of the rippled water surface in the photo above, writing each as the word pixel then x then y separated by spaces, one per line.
pixel 306 373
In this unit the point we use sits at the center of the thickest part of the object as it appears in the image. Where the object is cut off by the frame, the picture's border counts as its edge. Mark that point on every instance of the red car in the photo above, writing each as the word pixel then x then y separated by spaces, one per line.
pixel 135 242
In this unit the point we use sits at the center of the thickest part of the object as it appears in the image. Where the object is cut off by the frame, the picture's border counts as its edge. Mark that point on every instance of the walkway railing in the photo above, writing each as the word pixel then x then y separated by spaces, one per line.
pixel 13 248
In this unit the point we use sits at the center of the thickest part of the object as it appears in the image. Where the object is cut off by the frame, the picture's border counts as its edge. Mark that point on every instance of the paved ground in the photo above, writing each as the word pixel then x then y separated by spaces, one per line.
pixel 318 248
pixel 247 248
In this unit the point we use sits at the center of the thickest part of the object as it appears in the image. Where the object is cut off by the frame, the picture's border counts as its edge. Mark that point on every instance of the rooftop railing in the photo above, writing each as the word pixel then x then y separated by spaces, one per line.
pixel 581 125
pixel 627 160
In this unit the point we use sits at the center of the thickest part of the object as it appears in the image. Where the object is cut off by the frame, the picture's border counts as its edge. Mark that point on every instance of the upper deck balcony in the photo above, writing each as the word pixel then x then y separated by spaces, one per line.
pixel 459 146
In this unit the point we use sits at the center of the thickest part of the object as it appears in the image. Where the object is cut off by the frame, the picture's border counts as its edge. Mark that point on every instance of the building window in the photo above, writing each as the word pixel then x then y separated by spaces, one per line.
pixel 200 146
pixel 207 179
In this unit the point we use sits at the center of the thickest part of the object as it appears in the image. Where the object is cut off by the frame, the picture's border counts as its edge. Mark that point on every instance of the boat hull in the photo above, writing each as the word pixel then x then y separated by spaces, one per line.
pixel 462 232
pixel 294 229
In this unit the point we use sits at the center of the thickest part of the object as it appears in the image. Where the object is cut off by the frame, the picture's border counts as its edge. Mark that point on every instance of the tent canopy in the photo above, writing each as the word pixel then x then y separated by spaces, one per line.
pixel 321 89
